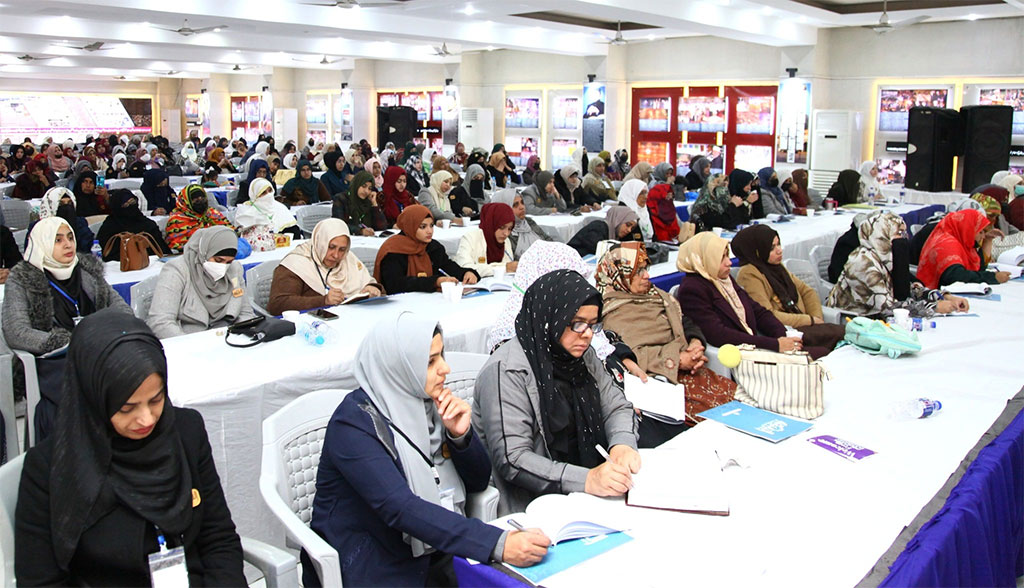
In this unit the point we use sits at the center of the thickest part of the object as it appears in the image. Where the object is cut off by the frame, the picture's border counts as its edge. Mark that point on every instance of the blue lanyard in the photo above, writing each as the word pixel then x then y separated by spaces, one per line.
pixel 65 295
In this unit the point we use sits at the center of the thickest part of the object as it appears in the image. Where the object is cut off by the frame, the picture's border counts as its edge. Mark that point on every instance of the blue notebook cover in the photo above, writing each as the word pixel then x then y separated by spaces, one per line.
pixel 753 421
pixel 569 553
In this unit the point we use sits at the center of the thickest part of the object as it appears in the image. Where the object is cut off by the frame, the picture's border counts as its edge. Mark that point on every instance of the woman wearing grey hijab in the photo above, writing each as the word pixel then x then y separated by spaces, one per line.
pixel 398 458
pixel 525 232
pixel 203 289
pixel 541 197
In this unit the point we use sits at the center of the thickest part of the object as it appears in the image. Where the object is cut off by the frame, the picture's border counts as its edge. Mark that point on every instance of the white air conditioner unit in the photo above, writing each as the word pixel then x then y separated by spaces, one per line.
pixel 476 127
pixel 836 138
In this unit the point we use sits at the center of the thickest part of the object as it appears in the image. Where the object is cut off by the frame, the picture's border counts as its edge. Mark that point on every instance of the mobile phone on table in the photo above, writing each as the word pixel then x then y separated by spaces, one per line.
pixel 324 314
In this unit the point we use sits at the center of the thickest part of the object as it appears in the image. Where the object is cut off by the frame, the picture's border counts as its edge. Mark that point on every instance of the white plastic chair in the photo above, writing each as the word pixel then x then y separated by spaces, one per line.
pixel 367 255
pixel 17 213
pixel 7 400
pixel 161 223
pixel 232 198
pixel 19 238
pixel 465 367
pixel 7 190
pixel 309 215
pixel 63 183
pixel 32 394
pixel 807 273
pixel 258 281
pixel 914 229
pixel 95 228
pixel 277 566
pixel 821 257
pixel 141 294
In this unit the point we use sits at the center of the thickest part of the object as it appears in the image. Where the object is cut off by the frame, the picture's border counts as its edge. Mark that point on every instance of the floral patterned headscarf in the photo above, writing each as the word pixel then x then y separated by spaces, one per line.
pixel 619 265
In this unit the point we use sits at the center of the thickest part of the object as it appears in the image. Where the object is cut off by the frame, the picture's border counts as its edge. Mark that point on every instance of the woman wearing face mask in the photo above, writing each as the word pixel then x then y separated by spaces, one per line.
pixel 525 232
pixel 772 286
pixel 485 248
pixel 725 312
pixel 464 196
pixel 262 217
pixel 122 468
pixel 866 285
pixel 957 249
pixel 596 185
pixel 336 178
pixel 532 167
pixel 258 169
pixel 320 272
pixel 203 289
pixel 399 458
pixel 125 217
pixel 541 197
pixel 557 403
pixel 61 202
pixel 396 195
pixel 92 199
pixel 45 297
pixel 619 224
pixel 716 207
pixel 158 192
pixel 412 261
pixel 775 201
pixel 570 188
pixel 191 212
pixel 359 207
pixel 303 188
pixel 664 340
pixel 700 171
pixel 435 197
pixel 633 195
pixel 476 177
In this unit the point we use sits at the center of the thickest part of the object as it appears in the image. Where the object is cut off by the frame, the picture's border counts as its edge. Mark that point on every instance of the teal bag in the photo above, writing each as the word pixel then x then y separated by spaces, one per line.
pixel 878 337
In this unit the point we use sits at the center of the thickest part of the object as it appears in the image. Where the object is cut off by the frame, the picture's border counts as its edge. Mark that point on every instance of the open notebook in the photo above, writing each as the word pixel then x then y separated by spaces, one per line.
pixel 683 481
pixel 659 400
pixel 563 517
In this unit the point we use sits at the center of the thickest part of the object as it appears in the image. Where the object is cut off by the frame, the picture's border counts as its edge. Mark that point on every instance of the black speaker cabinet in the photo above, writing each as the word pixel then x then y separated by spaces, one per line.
pixel 987 133
pixel 934 138
pixel 396 124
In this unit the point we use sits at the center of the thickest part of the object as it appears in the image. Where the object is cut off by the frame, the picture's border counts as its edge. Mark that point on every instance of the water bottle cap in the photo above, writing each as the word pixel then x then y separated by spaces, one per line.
pixel 938 404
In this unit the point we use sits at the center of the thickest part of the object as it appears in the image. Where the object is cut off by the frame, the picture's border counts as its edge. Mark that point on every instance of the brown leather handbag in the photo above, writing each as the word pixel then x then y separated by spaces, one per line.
pixel 135 248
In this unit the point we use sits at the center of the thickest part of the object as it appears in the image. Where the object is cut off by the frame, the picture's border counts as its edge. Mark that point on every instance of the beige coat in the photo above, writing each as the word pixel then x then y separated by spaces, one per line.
pixel 753 281
pixel 472 253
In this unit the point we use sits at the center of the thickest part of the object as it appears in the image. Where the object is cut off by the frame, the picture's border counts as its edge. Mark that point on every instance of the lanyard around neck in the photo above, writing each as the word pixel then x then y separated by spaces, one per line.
pixel 65 295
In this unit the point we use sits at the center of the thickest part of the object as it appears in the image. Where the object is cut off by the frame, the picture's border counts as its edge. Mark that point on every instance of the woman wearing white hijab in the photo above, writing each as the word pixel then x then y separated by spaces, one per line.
pixel 398 459
pixel 290 161
pixel 189 160
pixel 262 209
pixel 320 272
pixel 634 195
pixel 870 186
pixel 436 197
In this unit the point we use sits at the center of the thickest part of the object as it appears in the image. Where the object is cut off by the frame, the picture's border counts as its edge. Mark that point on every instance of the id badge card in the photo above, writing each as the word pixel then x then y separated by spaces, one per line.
pixel 448 499
pixel 167 568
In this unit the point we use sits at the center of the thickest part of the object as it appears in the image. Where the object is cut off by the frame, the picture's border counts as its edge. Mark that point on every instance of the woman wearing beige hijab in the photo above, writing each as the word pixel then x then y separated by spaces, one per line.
pixel 320 272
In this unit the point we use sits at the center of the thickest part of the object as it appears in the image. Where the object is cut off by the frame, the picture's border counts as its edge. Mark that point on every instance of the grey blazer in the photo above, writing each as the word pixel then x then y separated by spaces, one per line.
pixel 427 200
pixel 172 313
pixel 540 204
pixel 28 305
pixel 506 414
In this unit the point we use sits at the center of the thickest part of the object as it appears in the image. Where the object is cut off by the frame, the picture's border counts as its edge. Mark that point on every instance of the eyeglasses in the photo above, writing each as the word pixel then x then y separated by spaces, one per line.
pixel 580 327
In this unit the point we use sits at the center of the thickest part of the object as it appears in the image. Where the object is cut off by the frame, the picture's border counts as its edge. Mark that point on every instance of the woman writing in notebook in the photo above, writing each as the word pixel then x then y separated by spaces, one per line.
pixel 545 406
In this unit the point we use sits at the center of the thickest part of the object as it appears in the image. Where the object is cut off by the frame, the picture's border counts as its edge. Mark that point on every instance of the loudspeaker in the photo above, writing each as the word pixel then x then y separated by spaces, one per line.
pixel 987 133
pixel 396 124
pixel 933 138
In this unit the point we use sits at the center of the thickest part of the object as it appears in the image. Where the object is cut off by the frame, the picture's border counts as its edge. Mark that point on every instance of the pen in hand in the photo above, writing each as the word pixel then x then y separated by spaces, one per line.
pixel 521 528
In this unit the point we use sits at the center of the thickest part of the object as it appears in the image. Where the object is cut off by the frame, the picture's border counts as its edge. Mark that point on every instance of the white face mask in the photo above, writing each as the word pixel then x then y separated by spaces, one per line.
pixel 215 270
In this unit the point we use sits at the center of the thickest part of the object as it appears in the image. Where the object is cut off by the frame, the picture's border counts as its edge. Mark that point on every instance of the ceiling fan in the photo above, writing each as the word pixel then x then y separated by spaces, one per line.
pixel 323 61
pixel 27 57
pixel 239 68
pixel 94 46
pixel 618 39
pixel 166 73
pixel 187 31
pixel 443 51
pixel 884 26
pixel 351 4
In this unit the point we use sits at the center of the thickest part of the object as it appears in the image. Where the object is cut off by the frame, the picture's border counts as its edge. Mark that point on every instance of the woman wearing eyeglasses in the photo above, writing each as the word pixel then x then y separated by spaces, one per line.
pixel 545 406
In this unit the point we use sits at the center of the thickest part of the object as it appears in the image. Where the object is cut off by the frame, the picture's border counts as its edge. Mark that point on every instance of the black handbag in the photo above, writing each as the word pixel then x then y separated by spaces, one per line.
pixel 260 330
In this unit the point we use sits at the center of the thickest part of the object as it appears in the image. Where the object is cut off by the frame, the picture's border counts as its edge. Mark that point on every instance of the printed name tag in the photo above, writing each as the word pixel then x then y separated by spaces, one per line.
pixel 448 499
pixel 167 569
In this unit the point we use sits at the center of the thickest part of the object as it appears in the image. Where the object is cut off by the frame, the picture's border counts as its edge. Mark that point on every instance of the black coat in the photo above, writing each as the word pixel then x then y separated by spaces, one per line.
pixel 140 224
pixel 114 550
pixel 586 239
pixel 575 198
pixel 459 197
pixel 394 271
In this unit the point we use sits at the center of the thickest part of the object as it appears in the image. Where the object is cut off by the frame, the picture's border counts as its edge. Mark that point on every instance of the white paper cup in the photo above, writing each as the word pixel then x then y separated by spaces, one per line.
pixel 810 212
pixel 795 334
pixel 446 223
pixel 446 290
pixel 290 316
pixel 717 231
pixel 901 316
pixel 499 273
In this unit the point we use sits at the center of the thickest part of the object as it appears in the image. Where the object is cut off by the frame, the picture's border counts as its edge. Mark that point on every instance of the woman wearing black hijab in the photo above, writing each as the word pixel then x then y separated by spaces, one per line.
pixel 158 192
pixel 123 468
pixel 544 401
pixel 125 217
pixel 91 199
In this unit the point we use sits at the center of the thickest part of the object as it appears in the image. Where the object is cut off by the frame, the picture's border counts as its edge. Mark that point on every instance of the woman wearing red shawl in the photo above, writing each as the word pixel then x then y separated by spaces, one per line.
pixel 663 212
pixel 951 252
pixel 35 181
pixel 488 247
pixel 396 197
pixel 412 261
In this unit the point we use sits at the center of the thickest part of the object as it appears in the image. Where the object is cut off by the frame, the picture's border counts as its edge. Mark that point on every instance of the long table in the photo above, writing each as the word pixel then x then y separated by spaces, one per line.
pixel 801 516
pixel 235 389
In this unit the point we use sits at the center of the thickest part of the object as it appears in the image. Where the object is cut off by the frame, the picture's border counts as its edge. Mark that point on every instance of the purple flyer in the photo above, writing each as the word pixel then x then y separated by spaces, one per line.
pixel 850 451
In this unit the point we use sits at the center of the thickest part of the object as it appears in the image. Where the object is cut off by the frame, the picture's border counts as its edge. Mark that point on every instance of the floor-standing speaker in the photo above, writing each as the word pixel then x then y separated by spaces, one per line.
pixel 396 124
pixel 933 138
pixel 987 132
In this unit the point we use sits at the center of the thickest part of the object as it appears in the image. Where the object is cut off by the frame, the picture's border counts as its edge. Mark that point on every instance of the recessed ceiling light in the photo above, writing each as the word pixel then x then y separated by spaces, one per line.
pixel 216 30
pixel 146 24
pixel 469 10
pixel 651 37
pixel 238 50
pixel 972 16
pixel 490 47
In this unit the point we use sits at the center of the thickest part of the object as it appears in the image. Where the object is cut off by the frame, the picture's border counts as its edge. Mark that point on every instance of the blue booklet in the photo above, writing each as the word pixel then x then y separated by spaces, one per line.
pixel 569 553
pixel 757 422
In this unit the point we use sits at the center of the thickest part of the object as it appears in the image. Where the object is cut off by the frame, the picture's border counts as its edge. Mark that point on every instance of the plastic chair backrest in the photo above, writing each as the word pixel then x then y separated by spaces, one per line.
pixel 95 228
pixel 10 479
pixel 367 255
pixel 292 442
pixel 142 296
pixel 258 280
pixel 807 273
pixel 17 213
pixel 19 238
pixel 465 367
pixel 308 216
pixel 821 256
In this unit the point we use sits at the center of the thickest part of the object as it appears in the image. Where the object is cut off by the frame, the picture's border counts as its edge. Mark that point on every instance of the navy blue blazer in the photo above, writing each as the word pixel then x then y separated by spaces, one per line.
pixel 702 302
pixel 363 503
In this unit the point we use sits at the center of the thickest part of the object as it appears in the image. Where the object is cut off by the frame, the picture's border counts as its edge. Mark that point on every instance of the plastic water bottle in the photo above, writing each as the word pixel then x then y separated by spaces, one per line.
pixel 903 193
pixel 316 333
pixel 96 249
pixel 914 408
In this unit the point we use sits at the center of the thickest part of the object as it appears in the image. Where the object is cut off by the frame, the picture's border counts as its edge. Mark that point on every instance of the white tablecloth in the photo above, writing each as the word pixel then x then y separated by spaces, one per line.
pixel 802 516
pixel 921 197
pixel 129 183
pixel 235 389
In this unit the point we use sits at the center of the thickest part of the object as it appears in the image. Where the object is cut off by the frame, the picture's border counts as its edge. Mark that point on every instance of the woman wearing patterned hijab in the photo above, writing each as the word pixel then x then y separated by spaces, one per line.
pixel 544 402
pixel 665 341
pixel 191 212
